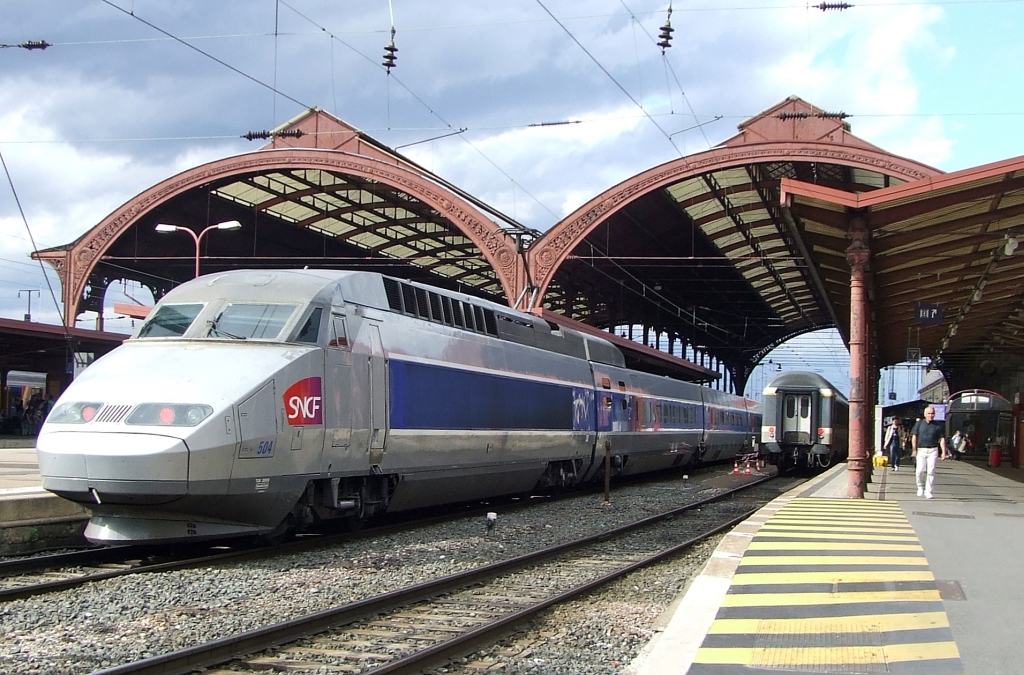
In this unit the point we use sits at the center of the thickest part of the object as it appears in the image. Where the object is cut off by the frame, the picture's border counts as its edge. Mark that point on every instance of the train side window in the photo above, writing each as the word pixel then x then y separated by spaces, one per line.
pixel 310 331
pixel 625 404
pixel 791 407
pixel 339 339
pixel 805 407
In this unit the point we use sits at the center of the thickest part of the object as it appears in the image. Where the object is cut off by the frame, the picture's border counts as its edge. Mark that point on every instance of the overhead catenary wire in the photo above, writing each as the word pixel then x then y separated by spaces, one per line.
pixel 612 78
pixel 35 249
pixel 429 109
pixel 207 54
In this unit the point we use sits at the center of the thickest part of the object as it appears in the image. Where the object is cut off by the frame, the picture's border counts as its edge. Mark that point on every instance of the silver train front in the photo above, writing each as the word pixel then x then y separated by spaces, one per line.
pixel 352 394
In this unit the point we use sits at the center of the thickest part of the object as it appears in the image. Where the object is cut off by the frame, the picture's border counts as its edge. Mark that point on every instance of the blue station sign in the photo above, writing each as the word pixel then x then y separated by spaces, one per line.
pixel 925 312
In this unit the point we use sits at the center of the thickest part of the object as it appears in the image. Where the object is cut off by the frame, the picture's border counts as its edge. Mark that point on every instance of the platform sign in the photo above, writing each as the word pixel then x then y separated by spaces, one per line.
pixel 913 354
pixel 925 312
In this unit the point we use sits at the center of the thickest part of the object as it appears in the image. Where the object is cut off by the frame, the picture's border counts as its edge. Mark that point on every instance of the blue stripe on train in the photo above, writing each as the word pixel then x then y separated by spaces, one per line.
pixel 434 397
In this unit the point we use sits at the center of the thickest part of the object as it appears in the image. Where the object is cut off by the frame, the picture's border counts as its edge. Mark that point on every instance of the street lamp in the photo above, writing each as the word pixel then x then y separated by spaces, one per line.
pixel 229 225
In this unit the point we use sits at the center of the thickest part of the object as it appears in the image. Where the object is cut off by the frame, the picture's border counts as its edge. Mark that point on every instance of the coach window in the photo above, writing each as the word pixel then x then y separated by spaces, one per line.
pixel 805 407
pixel 339 339
pixel 310 331
pixel 791 407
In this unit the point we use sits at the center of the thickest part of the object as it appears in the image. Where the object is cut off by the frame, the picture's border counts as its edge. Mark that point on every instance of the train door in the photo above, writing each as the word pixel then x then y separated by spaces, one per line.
pixel 258 434
pixel 796 418
pixel 338 398
pixel 378 396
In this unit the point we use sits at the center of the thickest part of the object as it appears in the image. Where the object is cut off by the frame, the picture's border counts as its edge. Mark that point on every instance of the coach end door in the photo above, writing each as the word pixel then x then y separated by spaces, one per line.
pixel 796 419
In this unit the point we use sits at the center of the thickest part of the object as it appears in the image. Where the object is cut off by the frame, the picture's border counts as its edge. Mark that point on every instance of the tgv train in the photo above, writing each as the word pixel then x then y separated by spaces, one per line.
pixel 806 423
pixel 254 402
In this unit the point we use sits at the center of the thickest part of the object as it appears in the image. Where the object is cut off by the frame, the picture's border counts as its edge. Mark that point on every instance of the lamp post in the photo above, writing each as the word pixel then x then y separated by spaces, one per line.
pixel 229 225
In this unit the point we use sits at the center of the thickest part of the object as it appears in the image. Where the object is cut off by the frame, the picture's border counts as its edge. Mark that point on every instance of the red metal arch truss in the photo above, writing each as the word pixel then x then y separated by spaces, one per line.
pixel 701 250
pixel 343 151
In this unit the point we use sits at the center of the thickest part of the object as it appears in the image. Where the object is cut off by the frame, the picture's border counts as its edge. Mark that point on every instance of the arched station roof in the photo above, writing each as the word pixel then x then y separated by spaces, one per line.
pixel 320 194
pixel 698 248
pixel 729 252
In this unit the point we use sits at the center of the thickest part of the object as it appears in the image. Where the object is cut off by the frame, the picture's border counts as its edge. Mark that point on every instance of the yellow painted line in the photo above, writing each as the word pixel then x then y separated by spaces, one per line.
pixel 799 599
pixel 826 577
pixel 847 503
pixel 838 506
pixel 823 656
pixel 756 545
pixel 851 521
pixel 833 560
pixel 921 651
pixel 867 623
pixel 863 522
pixel 850 532
pixel 844 513
pixel 800 534
pixel 840 526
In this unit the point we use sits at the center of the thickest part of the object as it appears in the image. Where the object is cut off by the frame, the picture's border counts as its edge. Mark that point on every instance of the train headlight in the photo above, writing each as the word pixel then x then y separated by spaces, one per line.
pixel 74 413
pixel 169 414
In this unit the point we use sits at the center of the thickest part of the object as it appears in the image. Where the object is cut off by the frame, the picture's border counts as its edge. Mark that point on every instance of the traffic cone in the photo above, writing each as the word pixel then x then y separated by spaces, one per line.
pixel 746 472
pixel 736 468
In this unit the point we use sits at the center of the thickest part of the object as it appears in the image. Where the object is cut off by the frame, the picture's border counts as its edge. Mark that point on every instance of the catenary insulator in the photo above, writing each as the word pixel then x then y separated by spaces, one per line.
pixel 665 37
pixel 390 52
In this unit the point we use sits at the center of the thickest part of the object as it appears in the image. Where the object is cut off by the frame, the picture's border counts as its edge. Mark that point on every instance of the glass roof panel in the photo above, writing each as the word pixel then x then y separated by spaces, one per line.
pixel 686 189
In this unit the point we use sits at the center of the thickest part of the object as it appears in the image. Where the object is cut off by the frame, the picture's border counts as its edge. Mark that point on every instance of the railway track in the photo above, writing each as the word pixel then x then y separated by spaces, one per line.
pixel 27 577
pixel 413 628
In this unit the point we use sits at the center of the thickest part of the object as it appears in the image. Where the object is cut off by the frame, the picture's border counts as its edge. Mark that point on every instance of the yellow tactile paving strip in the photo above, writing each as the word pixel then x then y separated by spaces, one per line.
pixel 831 586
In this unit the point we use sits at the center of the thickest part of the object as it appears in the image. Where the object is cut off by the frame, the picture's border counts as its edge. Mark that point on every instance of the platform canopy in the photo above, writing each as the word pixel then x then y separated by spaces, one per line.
pixel 700 251
pixel 946 272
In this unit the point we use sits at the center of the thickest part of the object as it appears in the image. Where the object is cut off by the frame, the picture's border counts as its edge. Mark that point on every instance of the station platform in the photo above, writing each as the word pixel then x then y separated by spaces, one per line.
pixel 893 583
pixel 32 519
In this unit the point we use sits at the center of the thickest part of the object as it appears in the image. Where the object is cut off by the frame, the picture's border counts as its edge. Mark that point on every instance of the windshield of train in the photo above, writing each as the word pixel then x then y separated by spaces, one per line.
pixel 170 321
pixel 251 321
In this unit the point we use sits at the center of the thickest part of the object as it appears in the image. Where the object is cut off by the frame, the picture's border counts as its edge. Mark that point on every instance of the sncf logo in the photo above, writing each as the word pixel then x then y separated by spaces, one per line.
pixel 303 402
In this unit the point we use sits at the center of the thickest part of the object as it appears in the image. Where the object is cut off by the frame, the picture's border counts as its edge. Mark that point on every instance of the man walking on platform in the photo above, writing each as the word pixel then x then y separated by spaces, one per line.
pixel 929 437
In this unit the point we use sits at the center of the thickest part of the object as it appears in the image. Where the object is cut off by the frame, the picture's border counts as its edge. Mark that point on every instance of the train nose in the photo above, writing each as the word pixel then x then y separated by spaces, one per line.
pixel 114 468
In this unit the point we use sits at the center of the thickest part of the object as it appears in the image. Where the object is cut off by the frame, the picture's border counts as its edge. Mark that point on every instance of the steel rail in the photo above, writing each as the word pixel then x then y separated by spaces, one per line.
pixel 123 554
pixel 219 651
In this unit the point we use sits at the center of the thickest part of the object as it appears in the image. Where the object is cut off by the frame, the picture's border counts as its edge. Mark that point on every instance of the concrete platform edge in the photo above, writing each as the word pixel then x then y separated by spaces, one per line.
pixel 673 649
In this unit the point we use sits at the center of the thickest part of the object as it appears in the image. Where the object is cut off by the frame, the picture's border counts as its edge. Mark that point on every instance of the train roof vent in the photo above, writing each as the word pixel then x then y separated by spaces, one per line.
pixel 436 313
pixel 394 291
pixel 409 296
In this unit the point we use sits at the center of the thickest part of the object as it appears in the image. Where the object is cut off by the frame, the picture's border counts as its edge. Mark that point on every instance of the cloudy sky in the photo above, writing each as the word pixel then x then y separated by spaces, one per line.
pixel 116 104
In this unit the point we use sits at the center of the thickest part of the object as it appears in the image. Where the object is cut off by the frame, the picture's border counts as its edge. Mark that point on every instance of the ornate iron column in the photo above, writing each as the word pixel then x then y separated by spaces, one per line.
pixel 857 255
